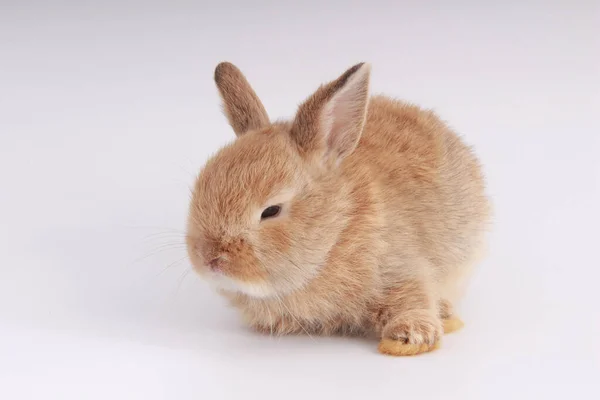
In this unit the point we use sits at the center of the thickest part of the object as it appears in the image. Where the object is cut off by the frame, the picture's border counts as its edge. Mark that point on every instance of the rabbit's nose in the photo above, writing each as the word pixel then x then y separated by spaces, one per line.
pixel 215 263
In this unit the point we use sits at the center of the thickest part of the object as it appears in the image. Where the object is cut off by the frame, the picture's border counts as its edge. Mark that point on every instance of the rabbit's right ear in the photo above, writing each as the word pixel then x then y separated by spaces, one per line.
pixel 242 106
pixel 328 125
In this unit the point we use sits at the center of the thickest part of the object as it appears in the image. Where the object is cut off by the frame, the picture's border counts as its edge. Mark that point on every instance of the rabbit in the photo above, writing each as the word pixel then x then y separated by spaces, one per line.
pixel 362 215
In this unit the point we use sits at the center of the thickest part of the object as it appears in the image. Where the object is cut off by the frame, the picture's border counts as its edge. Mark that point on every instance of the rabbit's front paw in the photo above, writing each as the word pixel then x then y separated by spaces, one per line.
pixel 411 333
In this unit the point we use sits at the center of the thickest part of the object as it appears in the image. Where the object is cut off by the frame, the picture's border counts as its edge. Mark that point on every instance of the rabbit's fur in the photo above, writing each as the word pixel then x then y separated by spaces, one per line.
pixel 383 215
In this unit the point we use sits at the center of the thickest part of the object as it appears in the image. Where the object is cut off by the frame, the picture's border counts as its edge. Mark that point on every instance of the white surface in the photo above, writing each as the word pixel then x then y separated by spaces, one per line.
pixel 108 111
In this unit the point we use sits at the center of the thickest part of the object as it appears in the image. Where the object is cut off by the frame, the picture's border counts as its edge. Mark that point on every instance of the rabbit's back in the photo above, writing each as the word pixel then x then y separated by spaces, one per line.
pixel 429 184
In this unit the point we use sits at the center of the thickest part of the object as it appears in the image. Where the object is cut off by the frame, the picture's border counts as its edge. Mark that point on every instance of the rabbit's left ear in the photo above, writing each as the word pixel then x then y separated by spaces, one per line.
pixel 330 122
pixel 242 106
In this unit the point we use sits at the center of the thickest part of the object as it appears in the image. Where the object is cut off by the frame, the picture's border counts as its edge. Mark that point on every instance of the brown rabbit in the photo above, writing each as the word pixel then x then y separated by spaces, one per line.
pixel 361 215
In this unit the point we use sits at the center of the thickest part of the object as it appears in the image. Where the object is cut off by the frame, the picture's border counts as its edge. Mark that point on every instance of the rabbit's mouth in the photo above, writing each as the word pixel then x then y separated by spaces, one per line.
pixel 270 285
pixel 253 289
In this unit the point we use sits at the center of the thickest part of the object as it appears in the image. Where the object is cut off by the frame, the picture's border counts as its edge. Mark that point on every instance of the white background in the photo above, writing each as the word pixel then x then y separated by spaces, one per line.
pixel 107 112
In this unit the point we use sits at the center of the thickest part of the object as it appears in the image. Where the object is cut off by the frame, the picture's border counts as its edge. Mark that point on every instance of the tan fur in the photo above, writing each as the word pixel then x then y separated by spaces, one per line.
pixel 384 215
pixel 243 108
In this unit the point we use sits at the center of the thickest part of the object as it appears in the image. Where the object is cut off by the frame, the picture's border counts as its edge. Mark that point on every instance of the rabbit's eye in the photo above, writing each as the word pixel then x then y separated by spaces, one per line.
pixel 270 212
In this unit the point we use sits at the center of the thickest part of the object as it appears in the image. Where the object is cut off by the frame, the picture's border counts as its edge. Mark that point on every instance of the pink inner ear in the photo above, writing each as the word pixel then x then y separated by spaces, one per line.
pixel 340 137
pixel 342 118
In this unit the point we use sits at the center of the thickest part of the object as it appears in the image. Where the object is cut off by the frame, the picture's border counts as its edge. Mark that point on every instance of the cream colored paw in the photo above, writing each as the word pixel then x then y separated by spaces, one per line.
pixel 452 324
pixel 398 348
pixel 413 333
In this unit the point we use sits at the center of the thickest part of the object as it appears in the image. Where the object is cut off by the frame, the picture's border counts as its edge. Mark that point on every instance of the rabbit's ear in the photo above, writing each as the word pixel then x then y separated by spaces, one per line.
pixel 242 106
pixel 330 122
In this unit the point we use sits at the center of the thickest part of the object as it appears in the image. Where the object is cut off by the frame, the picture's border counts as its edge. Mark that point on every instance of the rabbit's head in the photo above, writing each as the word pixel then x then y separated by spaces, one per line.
pixel 268 207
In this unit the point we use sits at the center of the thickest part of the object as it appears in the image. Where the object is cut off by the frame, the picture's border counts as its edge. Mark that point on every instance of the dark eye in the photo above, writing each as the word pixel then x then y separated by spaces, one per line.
pixel 270 212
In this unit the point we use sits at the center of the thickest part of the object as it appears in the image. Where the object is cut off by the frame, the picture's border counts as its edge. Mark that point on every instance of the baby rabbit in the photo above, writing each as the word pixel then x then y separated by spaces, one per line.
pixel 362 215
